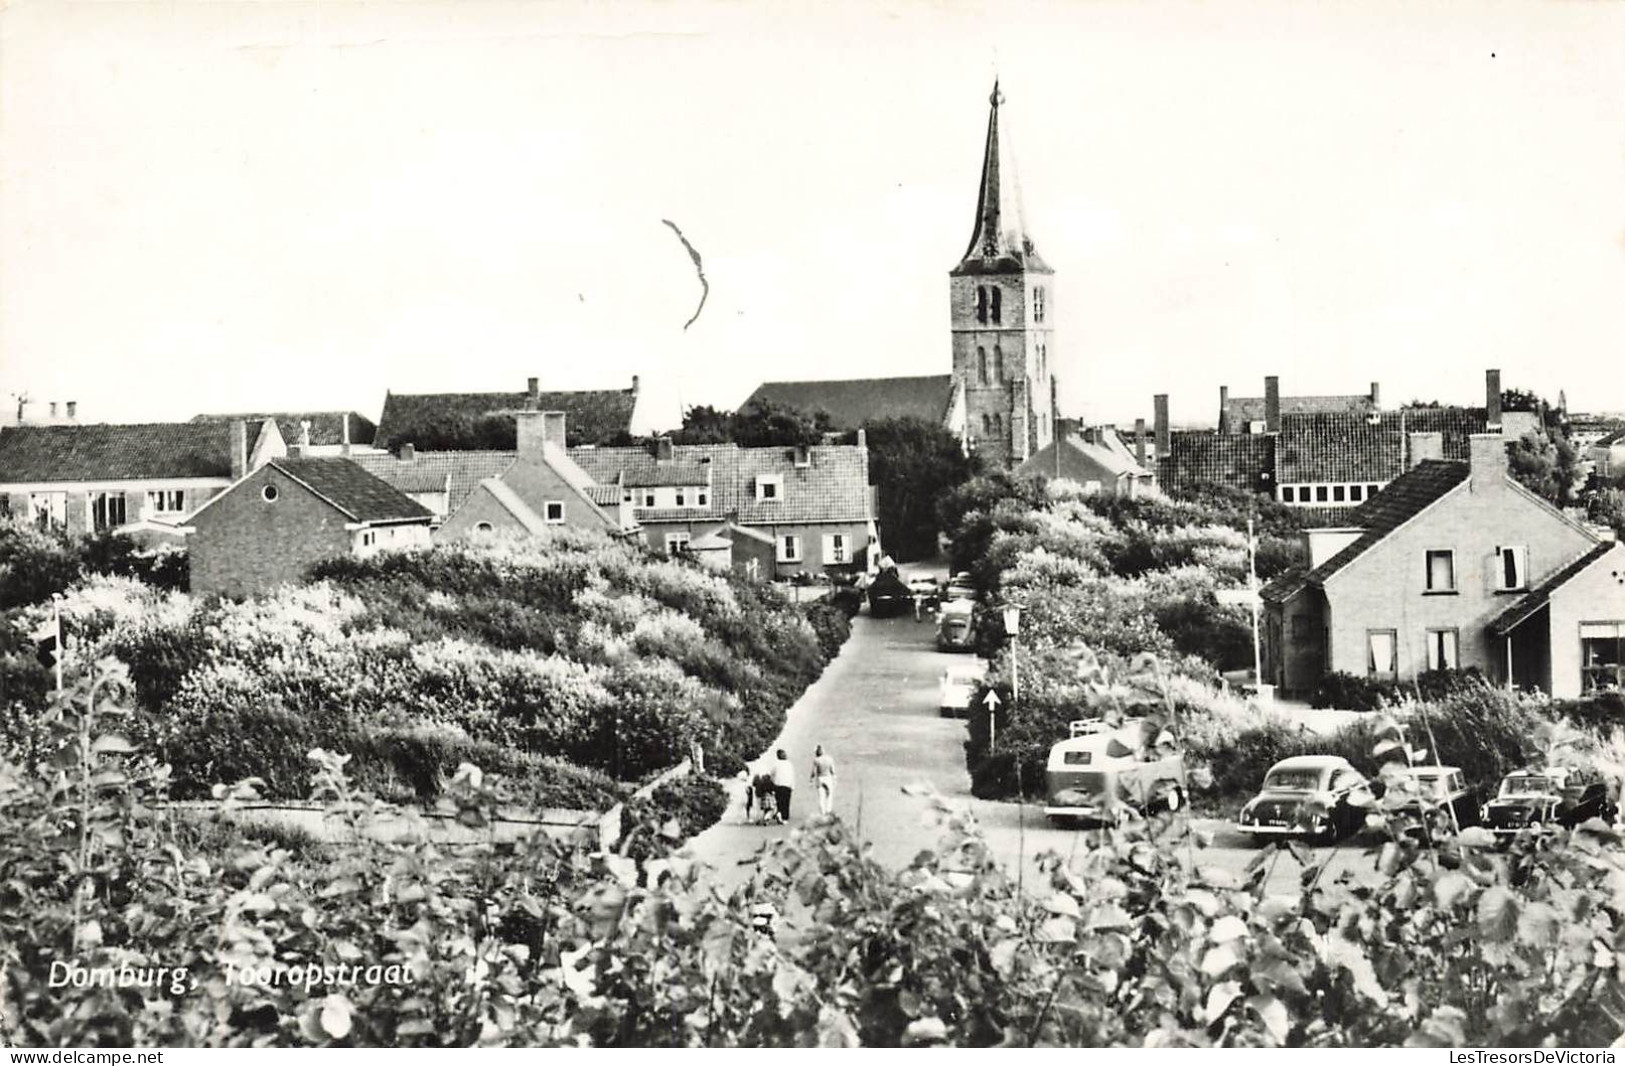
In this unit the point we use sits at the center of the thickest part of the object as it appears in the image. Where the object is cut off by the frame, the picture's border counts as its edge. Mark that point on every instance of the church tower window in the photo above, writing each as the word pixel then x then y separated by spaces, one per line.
pixel 998 315
pixel 1038 303
pixel 998 423
pixel 998 364
pixel 987 424
pixel 981 364
pixel 981 304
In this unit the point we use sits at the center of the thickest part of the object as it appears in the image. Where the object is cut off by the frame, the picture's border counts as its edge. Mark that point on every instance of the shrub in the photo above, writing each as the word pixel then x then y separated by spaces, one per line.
pixel 671 814
pixel 1350 692
pixel 832 622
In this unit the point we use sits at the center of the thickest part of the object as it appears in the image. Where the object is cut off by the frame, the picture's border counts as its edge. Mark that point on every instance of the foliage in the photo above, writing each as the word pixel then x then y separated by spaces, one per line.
pixel 912 463
pixel 1546 464
pixel 832 621
pixel 759 425
pixel 671 814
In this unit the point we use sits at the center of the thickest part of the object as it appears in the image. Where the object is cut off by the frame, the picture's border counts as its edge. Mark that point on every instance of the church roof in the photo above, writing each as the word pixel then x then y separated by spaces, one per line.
pixel 850 404
pixel 999 243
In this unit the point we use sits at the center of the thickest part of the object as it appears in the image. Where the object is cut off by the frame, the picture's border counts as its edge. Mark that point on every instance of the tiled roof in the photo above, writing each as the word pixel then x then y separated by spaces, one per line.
pixel 1285 585
pixel 351 489
pixel 1339 447
pixel 421 418
pixel 1240 410
pixel 1313 517
pixel 659 515
pixel 1456 423
pixel 114 452
pixel 850 404
pixel 1196 457
pixel 1081 461
pixel 1404 498
pixel 667 474
pixel 604 495
pixel 326 427
pixel 1536 597
pixel 455 473
pixel 1616 437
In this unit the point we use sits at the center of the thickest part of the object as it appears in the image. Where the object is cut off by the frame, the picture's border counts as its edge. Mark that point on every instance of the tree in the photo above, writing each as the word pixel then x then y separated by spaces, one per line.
pixel 912 463
pixel 761 425
pixel 1546 464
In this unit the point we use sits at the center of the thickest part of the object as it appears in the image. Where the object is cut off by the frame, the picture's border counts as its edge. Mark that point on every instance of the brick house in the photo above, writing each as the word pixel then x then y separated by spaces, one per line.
pixel 137 479
pixel 814 504
pixel 271 526
pixel 1420 575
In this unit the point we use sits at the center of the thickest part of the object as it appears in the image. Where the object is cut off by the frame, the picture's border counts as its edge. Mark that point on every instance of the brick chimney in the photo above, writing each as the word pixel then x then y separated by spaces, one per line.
pixel 1424 446
pixel 1487 460
pixel 344 445
pixel 533 393
pixel 1139 441
pixel 1492 399
pixel 1272 404
pixel 863 438
pixel 1160 418
pixel 1224 399
pixel 53 410
pixel 1376 396
pixel 532 433
pixel 663 450
pixel 634 385
pixel 553 427
pixel 408 453
pixel 239 449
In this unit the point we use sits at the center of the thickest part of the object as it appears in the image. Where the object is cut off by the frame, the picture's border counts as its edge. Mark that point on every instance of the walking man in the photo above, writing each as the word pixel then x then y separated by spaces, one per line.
pixel 823 775
pixel 784 781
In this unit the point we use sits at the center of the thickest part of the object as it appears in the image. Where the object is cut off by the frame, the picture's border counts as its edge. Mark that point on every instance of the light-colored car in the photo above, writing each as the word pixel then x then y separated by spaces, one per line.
pixel 958 688
pixel 956 626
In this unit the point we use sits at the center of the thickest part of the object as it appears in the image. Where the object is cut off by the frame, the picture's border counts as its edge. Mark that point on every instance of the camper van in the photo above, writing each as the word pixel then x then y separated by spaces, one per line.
pixel 1106 775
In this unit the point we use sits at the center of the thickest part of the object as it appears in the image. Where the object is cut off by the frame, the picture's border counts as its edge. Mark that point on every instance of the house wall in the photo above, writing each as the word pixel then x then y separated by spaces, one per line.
pixel 243 544
pixel 1301 646
pixel 368 542
pixel 480 507
pixel 654 534
pixel 196 492
pixel 812 544
pixel 1596 594
pixel 1385 588
pixel 537 483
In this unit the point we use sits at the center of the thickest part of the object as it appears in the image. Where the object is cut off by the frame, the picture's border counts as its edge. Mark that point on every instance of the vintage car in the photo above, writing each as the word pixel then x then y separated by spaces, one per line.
pixel 1106 775
pixel 958 688
pixel 888 596
pixel 956 626
pixel 925 588
pixel 960 587
pixel 1529 800
pixel 1426 800
pixel 1320 797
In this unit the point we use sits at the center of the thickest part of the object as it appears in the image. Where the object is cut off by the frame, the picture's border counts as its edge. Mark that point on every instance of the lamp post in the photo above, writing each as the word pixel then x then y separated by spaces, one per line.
pixel 1012 629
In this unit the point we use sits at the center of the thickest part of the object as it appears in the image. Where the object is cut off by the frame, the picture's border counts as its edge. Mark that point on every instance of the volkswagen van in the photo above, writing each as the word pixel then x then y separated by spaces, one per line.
pixel 1106 775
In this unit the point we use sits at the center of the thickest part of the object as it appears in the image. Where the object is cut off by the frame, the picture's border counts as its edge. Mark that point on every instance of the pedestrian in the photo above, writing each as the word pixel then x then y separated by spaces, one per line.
pixel 823 775
pixel 784 781
pixel 766 807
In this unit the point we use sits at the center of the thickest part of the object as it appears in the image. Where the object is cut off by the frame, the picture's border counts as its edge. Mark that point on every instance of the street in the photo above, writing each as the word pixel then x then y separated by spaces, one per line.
pixel 875 712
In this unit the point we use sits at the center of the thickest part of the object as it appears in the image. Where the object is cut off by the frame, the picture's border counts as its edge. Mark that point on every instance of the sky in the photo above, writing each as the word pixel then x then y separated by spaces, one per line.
pixel 213 206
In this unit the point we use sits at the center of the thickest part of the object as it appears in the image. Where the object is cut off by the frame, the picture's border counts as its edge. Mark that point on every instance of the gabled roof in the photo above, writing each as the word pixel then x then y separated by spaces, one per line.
pixel 669 474
pixel 1405 497
pixel 326 427
pixel 454 473
pixel 1081 461
pixel 358 494
pixel 1285 585
pixel 1240 410
pixel 1339 447
pixel 1537 597
pixel 116 452
pixel 1616 437
pixel 851 403
pixel 417 418
pixel 1196 457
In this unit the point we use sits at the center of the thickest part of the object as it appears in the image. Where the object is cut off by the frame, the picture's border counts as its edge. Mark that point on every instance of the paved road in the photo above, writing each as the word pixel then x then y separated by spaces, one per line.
pixel 875 710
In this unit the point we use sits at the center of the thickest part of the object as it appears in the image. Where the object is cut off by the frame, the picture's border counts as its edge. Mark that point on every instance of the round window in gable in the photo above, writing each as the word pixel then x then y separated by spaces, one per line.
pixel 269 492
pixel 483 528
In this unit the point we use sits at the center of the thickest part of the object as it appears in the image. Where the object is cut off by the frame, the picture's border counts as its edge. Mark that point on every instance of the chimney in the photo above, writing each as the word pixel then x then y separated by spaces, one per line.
pixel 408 453
pixel 663 449
pixel 1160 416
pixel 1224 400
pixel 1272 404
pixel 1487 460
pixel 1425 446
pixel 553 427
pixel 22 410
pixel 53 410
pixel 1492 399
pixel 239 449
pixel 1376 396
pixel 532 432
pixel 73 410
pixel 863 437
pixel 533 393
pixel 1139 441
pixel 344 421
pixel 634 384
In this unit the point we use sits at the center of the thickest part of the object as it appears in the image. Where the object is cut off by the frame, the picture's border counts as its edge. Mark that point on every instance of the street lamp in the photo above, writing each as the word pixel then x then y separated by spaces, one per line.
pixel 1012 629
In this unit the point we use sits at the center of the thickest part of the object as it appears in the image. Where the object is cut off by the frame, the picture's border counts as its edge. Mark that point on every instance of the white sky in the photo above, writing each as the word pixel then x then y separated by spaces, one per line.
pixel 223 206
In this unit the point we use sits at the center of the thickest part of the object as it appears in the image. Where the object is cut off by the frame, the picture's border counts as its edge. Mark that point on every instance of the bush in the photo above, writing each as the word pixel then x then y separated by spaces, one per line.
pixel 671 814
pixel 1601 712
pixel 832 622
pixel 1349 692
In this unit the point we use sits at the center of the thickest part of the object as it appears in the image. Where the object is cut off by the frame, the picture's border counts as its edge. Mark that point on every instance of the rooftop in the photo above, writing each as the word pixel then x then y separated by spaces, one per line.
pixel 116 452
pixel 853 402
pixel 358 494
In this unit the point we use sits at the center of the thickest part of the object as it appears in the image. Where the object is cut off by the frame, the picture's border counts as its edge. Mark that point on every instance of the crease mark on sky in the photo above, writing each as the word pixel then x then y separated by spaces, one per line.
pixel 699 269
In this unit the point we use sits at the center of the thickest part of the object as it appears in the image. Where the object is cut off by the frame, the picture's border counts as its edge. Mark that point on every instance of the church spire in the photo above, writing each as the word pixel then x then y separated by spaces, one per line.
pixel 999 236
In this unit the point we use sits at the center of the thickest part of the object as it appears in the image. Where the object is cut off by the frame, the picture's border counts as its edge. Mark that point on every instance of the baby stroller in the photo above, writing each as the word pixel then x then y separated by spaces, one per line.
pixel 761 806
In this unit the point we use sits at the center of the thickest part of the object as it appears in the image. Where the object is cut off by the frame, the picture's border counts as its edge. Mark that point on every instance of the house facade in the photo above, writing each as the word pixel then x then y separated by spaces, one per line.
pixel 1607 454
pixel 273 525
pixel 1417 578
pixel 134 479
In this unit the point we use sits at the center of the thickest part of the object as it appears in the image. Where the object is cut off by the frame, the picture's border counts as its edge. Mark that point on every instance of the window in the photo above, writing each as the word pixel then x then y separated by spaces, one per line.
pixel 1442 647
pixel 367 539
pixel 648 499
pixel 48 510
pixel 1038 303
pixel 553 512
pixel 106 510
pixel 987 424
pixel 994 311
pixel 699 500
pixel 1320 493
pixel 981 303
pixel 677 543
pixel 803 457
pixel 1356 493
pixel 981 365
pixel 770 488
pixel 1511 568
pixel 482 529
pixel 681 498
pixel 1289 493
pixel 835 548
pixel 1382 651
pixel 269 493
pixel 166 501
pixel 1339 494
pixel 1602 655
pixel 789 548
pixel 627 498
pixel 1441 571
pixel 998 423
pixel 998 363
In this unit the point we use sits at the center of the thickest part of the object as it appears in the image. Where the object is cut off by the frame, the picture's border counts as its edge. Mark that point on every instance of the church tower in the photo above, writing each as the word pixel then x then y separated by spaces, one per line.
pixel 1002 304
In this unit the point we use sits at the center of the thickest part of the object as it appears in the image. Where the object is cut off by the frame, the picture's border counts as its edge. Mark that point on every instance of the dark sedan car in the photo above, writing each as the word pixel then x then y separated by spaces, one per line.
pixel 1530 800
pixel 888 596
pixel 1433 799
pixel 1317 796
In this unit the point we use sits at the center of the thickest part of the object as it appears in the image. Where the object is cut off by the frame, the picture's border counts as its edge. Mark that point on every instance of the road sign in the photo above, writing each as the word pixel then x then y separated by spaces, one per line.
pixel 992 700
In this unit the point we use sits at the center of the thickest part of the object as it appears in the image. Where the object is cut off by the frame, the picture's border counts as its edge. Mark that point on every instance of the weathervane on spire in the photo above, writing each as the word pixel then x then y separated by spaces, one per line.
pixel 997 98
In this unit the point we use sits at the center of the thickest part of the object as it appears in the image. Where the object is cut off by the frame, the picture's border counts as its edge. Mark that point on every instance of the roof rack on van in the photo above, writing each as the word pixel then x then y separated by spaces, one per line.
pixel 1083 727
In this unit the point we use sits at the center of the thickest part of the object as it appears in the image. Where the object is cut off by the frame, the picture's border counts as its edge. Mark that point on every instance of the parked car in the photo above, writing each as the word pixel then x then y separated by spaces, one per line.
pixel 1320 797
pixel 958 688
pixel 925 588
pixel 956 626
pixel 1529 800
pixel 960 587
pixel 1106 775
pixel 1435 799
pixel 888 596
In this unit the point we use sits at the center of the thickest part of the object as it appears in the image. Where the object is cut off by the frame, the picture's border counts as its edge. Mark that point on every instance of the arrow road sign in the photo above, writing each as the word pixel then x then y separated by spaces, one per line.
pixel 992 700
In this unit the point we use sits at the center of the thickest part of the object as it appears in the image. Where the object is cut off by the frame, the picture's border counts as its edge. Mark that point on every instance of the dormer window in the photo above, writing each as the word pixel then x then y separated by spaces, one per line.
pixel 803 456
pixel 648 499
pixel 770 488
pixel 700 500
